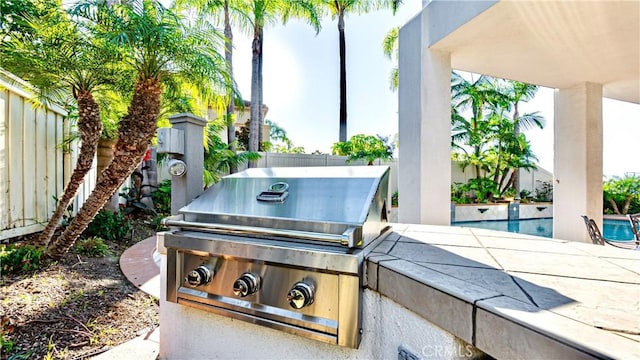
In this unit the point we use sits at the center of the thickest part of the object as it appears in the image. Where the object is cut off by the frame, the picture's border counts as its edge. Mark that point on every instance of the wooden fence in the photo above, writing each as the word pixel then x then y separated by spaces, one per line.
pixel 34 167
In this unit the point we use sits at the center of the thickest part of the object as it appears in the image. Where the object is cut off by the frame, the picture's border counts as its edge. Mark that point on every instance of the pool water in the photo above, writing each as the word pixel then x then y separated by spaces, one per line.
pixel 611 229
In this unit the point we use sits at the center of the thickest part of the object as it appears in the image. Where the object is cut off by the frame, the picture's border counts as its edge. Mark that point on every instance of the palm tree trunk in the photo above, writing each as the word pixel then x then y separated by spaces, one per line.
pixel 510 182
pixel 260 98
pixel 625 207
pixel 228 56
pixel 343 79
pixel 254 130
pixel 136 130
pixel 614 206
pixel 516 131
pixel 90 127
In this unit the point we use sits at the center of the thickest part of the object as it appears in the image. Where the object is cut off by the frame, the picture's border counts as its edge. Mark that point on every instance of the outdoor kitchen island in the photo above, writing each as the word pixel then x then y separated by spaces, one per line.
pixel 445 293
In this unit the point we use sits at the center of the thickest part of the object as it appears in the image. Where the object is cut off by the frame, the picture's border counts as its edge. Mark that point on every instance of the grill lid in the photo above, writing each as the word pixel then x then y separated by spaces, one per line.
pixel 327 200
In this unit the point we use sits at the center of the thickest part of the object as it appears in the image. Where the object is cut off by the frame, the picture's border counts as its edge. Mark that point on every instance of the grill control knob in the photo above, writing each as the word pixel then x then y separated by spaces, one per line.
pixel 246 284
pixel 199 276
pixel 300 295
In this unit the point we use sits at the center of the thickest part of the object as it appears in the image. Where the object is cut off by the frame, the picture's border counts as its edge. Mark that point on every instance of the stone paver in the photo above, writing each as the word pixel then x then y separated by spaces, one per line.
pixel 542 298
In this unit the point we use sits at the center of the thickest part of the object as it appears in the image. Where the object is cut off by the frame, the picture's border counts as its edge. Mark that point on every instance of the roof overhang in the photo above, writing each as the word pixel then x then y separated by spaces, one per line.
pixel 556 44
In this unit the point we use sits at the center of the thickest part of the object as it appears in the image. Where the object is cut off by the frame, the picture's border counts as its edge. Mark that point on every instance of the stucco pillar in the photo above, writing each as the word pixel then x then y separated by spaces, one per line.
pixel 577 187
pixel 424 176
pixel 191 184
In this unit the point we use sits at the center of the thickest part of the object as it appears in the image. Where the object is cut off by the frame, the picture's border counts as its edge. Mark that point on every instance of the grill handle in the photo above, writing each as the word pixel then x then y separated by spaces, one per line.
pixel 345 239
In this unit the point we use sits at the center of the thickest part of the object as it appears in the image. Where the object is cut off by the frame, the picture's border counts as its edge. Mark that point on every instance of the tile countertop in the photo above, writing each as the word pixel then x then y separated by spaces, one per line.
pixel 513 295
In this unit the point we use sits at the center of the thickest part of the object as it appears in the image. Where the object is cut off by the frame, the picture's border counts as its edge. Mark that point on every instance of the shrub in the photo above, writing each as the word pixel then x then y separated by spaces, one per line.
pixel 482 188
pixel 17 257
pixel 622 194
pixel 109 225
pixel 162 197
pixel 156 223
pixel 364 147
pixel 93 247
pixel 544 193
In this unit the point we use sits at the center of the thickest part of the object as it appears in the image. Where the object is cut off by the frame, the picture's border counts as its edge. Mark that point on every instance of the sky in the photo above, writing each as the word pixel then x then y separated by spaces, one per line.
pixel 301 88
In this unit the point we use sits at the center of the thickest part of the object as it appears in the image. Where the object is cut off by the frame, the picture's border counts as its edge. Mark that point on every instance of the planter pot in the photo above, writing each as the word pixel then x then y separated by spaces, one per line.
pixel 104 156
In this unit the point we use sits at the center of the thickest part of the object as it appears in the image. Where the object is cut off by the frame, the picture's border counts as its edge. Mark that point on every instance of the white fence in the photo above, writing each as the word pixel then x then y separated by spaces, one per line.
pixel 33 166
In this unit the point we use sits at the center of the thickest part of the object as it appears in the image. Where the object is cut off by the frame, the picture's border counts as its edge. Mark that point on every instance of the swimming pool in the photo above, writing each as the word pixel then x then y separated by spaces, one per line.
pixel 611 229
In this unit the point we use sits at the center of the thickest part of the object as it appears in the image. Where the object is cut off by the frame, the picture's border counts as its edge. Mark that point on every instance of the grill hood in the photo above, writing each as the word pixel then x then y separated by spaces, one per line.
pixel 336 204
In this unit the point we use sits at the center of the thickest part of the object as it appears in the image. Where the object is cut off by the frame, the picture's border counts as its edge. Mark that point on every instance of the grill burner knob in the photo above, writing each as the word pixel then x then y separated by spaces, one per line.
pixel 199 276
pixel 246 284
pixel 300 295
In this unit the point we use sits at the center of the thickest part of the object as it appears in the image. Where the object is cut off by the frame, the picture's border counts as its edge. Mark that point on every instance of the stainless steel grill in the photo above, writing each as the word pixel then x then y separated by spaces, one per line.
pixel 281 247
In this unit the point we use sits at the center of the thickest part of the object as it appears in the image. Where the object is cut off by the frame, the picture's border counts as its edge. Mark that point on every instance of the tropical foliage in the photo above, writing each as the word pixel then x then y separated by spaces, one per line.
pixel 136 52
pixel 622 194
pixel 224 13
pixel 364 147
pixel 261 13
pixel 13 13
pixel 486 136
pixel 280 142
pixel 390 49
pixel 338 10
pixel 70 67
pixel 219 159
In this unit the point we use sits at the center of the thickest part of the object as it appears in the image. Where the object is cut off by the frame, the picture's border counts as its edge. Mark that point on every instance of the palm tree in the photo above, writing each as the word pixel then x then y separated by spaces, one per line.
pixel 223 11
pixel 338 9
pixel 517 92
pixel 496 143
pixel 159 47
pixel 475 96
pixel 261 13
pixel 65 65
pixel 12 12
pixel 390 49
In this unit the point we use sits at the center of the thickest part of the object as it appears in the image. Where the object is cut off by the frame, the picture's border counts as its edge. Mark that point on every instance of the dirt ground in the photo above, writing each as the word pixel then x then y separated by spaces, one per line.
pixel 74 308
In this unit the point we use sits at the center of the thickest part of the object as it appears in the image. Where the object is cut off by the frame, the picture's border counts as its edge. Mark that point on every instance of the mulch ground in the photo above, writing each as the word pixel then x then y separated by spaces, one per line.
pixel 74 308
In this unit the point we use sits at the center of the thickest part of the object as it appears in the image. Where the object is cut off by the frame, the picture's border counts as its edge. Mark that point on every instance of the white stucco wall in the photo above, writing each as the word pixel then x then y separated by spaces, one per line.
pixel 577 189
pixel 189 333
pixel 424 115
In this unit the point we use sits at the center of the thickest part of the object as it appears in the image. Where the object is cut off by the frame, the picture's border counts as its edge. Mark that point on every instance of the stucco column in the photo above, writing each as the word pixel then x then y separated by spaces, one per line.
pixel 577 187
pixel 424 176
pixel 191 184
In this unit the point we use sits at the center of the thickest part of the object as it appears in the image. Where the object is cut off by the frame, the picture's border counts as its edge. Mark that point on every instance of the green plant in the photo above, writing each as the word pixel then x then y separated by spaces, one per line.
pixel 162 197
pixel 109 225
pixel 510 193
pixel 6 344
pixel 622 194
pixel 483 188
pixel 394 199
pixel 544 193
pixel 525 194
pixel 364 147
pixel 219 159
pixel 68 213
pixel 156 223
pixel 19 257
pixel 93 247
